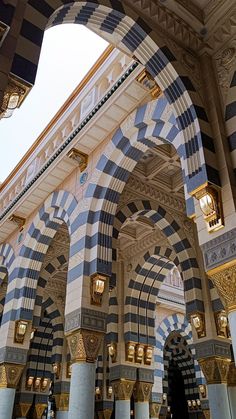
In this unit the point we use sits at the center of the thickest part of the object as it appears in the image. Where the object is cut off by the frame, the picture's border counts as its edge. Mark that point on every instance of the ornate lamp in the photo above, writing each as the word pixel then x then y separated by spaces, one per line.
pixel 211 207
pixel 20 331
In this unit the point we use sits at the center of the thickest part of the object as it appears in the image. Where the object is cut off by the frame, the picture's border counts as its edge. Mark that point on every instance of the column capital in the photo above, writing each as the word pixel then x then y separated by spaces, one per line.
pixel 39 408
pixel 215 369
pixel 224 279
pixel 10 375
pixel 142 391
pixel 84 345
pixel 123 389
pixel 155 409
pixel 105 414
pixel 232 375
pixel 22 409
pixel 62 401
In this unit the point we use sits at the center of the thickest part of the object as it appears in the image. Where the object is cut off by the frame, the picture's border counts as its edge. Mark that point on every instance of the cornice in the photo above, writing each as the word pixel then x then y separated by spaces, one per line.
pixel 152 239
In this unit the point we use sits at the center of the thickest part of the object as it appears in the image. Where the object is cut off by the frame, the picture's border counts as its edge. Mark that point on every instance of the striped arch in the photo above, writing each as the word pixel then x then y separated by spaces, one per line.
pixel 47 344
pixel 141 295
pixel 124 28
pixel 7 257
pixel 179 324
pixel 230 119
pixel 59 207
pixel 55 264
pixel 176 349
pixel 216 302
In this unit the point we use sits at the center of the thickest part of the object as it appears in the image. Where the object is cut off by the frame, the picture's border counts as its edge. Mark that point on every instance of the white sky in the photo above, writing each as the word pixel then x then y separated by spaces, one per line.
pixel 68 52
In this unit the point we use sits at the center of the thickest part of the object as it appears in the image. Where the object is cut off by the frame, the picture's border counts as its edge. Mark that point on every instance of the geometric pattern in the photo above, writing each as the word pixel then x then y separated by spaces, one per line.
pixel 179 324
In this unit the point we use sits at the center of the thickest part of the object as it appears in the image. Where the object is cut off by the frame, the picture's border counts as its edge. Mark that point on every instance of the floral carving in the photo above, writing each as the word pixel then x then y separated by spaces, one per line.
pixel 10 375
pixel 123 389
pixel 215 370
pixel 142 391
pixel 84 345
pixel 225 283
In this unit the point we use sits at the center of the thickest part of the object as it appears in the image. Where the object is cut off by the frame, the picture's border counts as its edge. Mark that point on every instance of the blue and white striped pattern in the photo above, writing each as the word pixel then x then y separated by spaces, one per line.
pixel 47 344
pixel 179 324
pixel 120 25
pixel 60 206
pixel 230 119
pixel 7 257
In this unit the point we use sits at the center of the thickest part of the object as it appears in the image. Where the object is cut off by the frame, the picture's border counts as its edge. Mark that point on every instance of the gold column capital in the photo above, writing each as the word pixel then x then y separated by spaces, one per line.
pixel 215 369
pixel 10 375
pixel 142 391
pixel 84 345
pixel 207 413
pixel 39 408
pixel 224 279
pixel 105 414
pixel 62 402
pixel 232 375
pixel 22 409
pixel 155 409
pixel 123 389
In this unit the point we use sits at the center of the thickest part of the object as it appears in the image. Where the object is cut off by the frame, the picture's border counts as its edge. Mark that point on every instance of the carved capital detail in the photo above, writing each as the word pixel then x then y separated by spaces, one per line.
pixel 232 375
pixel 215 370
pixel 10 375
pixel 225 283
pixel 123 389
pixel 105 414
pixel 155 409
pixel 62 401
pixel 22 409
pixel 84 345
pixel 142 391
pixel 40 407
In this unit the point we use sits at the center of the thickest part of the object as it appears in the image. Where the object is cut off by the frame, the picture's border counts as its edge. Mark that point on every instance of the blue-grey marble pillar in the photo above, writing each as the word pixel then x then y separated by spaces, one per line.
pixel 82 391
pixel 219 401
pixel 122 409
pixel 7 397
pixel 62 415
pixel 141 410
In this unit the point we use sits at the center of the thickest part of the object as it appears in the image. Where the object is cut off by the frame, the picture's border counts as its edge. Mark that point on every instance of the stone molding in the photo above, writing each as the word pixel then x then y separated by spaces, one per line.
pixel 10 375
pixel 220 250
pixel 215 370
pixel 225 64
pixel 142 391
pixel 127 372
pixel 13 355
pixel 87 319
pixel 212 348
pixel 225 283
pixel 84 345
pixel 123 389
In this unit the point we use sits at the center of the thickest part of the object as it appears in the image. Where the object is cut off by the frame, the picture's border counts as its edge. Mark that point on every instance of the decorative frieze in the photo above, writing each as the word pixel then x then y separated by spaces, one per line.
pixel 220 250
pixel 87 319
pixel 215 370
pixel 84 345
pixel 225 283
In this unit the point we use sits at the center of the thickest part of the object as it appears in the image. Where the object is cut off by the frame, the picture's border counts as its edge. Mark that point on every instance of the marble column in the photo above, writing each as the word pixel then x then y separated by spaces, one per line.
pixel 216 371
pixel 9 377
pixel 123 391
pixel 142 394
pixel 232 388
pixel 84 346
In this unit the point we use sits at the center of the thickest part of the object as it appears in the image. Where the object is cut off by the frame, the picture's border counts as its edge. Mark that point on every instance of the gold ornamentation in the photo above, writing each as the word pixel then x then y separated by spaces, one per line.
pixel 155 409
pixel 22 409
pixel 148 354
pixel 198 321
pixel 84 345
pixel 39 408
pixel 19 221
pixel 97 288
pixel 123 389
pixel 112 350
pixel 20 331
pixel 62 401
pixel 210 203
pixel 232 375
pixel 222 326
pixel 139 353
pixel 129 351
pixel 147 81
pixel 79 157
pixel 142 391
pixel 215 369
pixel 10 375
pixel 207 413
pixel 105 414
pixel 225 283
pixel 14 94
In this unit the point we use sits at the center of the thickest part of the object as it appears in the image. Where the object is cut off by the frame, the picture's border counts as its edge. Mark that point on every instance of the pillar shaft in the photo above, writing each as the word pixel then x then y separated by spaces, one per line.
pixel 81 403
pixel 7 397
pixel 232 326
pixel 141 410
pixel 219 401
pixel 9 378
pixel 122 409
pixel 62 415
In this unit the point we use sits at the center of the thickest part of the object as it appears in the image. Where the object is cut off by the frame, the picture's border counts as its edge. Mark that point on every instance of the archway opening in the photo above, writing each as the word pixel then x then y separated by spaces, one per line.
pixel 176 392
